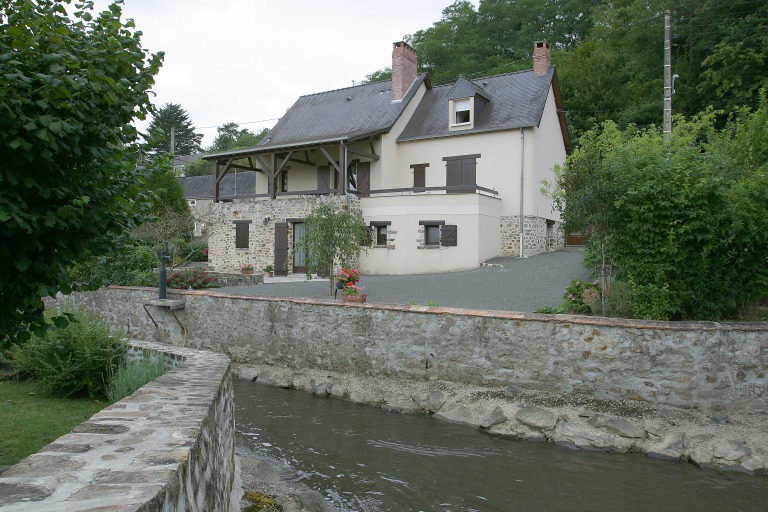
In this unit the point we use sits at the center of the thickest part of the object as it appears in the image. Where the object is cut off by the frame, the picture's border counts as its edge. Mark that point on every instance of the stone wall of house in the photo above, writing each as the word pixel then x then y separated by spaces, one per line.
pixel 538 236
pixel 167 447
pixel 263 214
pixel 710 366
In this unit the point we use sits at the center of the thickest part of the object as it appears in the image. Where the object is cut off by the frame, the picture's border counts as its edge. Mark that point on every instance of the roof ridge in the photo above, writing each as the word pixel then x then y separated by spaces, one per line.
pixel 445 84
pixel 345 88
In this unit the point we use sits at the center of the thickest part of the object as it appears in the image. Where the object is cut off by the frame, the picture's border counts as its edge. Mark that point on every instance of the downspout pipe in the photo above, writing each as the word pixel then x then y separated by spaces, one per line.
pixel 346 177
pixel 522 182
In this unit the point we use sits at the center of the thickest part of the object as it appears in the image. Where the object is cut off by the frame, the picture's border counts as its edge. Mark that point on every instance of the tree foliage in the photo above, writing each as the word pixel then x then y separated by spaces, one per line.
pixel 231 137
pixel 686 223
pixel 68 176
pixel 609 54
pixel 332 236
pixel 172 116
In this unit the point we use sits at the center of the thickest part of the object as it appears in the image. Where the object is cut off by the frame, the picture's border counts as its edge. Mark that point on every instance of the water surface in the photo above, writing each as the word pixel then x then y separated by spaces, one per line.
pixel 366 459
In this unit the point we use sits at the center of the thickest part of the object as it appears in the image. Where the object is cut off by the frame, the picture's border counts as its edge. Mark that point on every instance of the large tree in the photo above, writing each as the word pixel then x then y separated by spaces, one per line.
pixel 72 85
pixel 172 117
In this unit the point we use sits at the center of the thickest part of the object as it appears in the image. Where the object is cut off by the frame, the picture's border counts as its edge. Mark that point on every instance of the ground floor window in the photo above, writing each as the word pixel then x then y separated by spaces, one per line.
pixel 439 234
pixel 379 232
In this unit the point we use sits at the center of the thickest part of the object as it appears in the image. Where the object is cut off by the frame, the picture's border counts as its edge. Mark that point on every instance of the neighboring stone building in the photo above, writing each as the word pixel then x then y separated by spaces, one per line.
pixel 447 176
pixel 198 191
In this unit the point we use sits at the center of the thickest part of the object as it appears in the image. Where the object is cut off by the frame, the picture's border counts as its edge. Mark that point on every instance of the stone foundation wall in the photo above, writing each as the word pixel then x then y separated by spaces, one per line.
pixel 704 365
pixel 263 214
pixel 539 236
pixel 167 447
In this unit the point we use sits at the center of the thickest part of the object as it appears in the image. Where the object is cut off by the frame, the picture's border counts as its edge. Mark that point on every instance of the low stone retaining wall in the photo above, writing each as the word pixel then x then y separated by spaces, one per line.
pixel 167 447
pixel 703 365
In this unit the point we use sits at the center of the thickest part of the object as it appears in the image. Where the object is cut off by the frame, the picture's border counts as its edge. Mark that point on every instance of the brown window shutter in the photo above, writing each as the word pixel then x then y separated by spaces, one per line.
pixel 281 248
pixel 323 178
pixel 448 235
pixel 241 235
pixel 461 170
pixel 419 177
pixel 364 178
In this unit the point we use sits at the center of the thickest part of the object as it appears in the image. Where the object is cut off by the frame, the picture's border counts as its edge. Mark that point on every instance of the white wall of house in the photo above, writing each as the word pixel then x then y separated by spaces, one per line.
pixel 389 168
pixel 546 150
pixel 476 217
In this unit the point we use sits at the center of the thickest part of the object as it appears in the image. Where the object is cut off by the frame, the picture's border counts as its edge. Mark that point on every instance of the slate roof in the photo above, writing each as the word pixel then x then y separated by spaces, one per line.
pixel 350 114
pixel 234 185
pixel 515 100
pixel 463 88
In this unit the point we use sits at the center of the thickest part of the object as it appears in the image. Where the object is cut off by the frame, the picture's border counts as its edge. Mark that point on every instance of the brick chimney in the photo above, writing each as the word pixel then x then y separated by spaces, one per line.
pixel 540 58
pixel 404 64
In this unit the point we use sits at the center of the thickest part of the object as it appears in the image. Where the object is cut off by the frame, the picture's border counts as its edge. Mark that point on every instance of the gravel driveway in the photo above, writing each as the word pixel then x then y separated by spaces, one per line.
pixel 508 284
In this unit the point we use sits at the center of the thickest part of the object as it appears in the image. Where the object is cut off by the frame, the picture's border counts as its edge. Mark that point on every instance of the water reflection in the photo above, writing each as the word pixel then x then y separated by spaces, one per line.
pixel 367 459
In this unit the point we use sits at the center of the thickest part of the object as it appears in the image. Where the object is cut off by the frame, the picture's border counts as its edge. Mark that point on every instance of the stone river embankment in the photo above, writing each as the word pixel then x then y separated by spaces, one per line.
pixel 732 441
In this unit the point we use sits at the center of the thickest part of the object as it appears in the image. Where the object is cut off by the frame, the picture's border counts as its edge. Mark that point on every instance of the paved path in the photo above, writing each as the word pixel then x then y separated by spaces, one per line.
pixel 514 285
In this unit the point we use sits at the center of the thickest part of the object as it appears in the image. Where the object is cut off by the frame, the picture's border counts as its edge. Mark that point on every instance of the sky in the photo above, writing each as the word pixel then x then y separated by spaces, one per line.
pixel 248 61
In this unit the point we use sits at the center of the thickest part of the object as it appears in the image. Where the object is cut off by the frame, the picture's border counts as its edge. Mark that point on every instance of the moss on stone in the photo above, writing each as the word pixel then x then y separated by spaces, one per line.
pixel 261 502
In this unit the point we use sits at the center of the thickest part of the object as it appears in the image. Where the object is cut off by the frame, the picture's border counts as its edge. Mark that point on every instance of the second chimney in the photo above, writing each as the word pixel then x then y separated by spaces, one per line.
pixel 540 58
pixel 404 69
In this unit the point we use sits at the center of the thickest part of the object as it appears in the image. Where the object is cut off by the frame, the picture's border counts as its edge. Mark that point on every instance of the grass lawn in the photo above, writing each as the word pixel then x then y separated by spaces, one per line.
pixel 30 420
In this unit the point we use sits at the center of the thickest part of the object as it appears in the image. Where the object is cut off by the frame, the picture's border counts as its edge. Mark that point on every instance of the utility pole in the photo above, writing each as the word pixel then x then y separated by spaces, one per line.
pixel 667 75
pixel 173 141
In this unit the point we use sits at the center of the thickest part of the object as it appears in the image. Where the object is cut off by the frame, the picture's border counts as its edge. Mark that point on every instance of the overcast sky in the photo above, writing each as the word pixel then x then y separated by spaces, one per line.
pixel 247 61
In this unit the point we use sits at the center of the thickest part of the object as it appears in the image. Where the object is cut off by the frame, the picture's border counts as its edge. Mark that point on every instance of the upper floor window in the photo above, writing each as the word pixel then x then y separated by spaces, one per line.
pixel 462 111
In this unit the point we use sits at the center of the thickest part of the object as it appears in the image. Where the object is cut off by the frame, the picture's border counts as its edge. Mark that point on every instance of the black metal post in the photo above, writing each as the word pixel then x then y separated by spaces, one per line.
pixel 162 277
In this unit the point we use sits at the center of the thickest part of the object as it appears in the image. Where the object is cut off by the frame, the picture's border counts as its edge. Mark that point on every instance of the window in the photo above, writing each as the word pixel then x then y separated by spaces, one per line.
pixel 242 233
pixel 439 234
pixel 419 175
pixel 282 181
pixel 461 170
pixel 380 232
pixel 462 109
pixel 431 234
pixel 359 177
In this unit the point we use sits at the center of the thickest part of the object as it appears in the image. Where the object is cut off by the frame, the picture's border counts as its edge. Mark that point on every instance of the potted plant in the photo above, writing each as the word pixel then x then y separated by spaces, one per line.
pixel 346 276
pixel 269 269
pixel 351 293
pixel 246 268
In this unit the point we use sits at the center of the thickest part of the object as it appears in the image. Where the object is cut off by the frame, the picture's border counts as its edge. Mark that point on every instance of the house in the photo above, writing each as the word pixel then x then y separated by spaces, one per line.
pixel 447 176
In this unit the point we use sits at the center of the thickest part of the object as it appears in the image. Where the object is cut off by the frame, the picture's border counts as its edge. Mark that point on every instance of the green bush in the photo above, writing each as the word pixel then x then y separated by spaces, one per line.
pixel 195 250
pixel 685 221
pixel 128 265
pixel 131 375
pixel 573 298
pixel 71 361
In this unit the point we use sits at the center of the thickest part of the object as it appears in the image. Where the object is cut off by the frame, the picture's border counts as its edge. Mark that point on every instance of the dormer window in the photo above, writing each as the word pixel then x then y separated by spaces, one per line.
pixel 466 102
pixel 462 109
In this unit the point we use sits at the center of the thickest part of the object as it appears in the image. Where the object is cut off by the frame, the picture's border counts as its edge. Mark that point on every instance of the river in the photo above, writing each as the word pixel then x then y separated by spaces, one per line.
pixel 367 459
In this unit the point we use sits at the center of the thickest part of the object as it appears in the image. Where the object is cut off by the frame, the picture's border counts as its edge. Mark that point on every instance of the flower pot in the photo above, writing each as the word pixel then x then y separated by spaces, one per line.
pixel 246 271
pixel 271 274
pixel 360 297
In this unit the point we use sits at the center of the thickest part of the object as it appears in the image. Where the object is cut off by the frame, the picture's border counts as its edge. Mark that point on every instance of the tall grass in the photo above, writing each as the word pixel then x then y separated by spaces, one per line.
pixel 131 375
